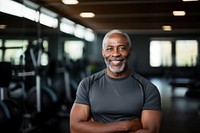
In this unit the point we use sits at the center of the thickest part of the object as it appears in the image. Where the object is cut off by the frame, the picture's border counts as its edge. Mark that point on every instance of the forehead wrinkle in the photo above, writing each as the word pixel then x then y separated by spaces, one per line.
pixel 115 39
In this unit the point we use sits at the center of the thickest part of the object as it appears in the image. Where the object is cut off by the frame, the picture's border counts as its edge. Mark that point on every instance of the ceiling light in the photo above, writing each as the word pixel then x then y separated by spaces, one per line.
pixel 67 26
pixel 29 13
pixel 166 27
pixel 89 35
pixel 179 13
pixel 79 31
pixel 2 26
pixel 48 20
pixel 11 7
pixel 189 0
pixel 70 2
pixel 87 14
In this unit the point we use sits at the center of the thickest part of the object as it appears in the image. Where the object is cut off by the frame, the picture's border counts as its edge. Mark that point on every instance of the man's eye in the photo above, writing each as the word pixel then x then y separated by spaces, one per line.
pixel 108 49
pixel 122 48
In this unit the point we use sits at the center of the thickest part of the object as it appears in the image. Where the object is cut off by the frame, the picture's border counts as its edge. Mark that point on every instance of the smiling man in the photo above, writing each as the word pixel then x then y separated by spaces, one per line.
pixel 116 99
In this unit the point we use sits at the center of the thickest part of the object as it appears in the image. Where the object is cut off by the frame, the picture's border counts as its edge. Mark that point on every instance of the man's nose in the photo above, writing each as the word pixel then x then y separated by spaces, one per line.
pixel 115 52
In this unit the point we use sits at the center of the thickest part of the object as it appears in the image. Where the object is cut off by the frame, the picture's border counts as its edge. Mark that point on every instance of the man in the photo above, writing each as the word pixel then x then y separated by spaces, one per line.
pixel 116 99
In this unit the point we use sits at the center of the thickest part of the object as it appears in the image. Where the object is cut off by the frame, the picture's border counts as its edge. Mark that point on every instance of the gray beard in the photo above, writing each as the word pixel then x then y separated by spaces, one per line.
pixel 115 71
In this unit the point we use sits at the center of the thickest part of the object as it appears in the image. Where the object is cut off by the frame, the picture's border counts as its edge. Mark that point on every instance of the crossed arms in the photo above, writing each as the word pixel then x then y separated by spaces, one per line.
pixel 80 122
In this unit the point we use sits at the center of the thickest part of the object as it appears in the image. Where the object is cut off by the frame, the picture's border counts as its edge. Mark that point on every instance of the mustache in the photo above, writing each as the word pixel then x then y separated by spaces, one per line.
pixel 116 58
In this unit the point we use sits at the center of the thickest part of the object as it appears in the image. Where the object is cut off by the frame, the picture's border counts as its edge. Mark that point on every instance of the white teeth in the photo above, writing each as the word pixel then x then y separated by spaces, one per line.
pixel 115 62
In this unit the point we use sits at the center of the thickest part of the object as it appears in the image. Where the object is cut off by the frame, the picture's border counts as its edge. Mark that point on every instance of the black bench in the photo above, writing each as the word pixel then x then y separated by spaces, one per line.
pixel 182 82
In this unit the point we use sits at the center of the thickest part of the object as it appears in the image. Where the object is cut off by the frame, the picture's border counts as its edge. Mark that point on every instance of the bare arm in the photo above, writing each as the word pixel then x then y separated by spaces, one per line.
pixel 80 122
pixel 151 121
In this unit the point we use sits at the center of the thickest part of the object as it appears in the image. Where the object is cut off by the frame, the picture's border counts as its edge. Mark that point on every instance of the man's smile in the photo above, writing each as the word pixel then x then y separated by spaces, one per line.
pixel 115 62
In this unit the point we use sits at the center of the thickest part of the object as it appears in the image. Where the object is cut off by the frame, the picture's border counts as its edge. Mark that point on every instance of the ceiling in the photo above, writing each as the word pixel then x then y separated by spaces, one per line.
pixel 130 15
pixel 138 16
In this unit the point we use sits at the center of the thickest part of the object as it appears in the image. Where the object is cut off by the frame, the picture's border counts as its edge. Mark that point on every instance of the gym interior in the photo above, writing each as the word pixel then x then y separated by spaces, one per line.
pixel 45 53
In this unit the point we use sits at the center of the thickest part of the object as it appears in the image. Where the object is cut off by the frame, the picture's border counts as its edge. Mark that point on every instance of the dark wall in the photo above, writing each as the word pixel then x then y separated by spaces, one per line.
pixel 140 57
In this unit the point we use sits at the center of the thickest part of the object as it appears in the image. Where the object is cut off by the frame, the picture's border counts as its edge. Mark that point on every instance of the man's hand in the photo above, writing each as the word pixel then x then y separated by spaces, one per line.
pixel 134 125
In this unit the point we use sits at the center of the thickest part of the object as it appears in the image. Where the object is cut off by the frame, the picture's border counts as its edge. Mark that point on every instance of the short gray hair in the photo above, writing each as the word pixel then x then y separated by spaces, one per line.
pixel 116 31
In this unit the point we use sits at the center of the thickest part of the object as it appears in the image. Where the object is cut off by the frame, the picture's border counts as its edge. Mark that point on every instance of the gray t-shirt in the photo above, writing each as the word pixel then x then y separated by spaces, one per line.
pixel 113 100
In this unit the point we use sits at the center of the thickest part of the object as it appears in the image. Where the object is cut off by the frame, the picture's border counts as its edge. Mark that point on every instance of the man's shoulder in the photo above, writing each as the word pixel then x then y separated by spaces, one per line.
pixel 96 76
pixel 143 80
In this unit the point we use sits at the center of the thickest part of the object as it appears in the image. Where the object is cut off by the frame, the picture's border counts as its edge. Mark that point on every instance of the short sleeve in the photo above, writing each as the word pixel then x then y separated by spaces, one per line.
pixel 152 98
pixel 82 92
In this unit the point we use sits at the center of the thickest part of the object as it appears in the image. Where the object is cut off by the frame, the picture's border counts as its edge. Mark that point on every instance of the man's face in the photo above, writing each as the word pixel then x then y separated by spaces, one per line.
pixel 116 52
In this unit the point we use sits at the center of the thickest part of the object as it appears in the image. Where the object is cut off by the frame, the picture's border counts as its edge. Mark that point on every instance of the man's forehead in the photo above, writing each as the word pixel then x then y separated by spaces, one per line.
pixel 116 35
pixel 121 39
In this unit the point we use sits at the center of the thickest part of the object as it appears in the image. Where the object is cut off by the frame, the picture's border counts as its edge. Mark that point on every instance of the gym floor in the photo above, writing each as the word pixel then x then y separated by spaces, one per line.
pixel 180 113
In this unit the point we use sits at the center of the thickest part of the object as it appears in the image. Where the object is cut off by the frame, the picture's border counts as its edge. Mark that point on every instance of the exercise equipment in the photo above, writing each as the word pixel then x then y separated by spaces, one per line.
pixel 10 111
pixel 48 101
pixel 10 116
pixel 41 100
pixel 65 83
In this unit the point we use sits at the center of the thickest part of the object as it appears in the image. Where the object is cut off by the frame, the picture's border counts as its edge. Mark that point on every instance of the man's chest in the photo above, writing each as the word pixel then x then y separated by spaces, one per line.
pixel 116 98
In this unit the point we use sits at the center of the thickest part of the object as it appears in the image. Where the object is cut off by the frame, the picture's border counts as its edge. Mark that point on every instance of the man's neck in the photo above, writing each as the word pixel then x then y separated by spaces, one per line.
pixel 122 74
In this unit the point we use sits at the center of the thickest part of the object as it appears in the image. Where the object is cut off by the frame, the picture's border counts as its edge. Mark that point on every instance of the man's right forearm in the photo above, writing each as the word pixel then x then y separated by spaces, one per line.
pixel 96 127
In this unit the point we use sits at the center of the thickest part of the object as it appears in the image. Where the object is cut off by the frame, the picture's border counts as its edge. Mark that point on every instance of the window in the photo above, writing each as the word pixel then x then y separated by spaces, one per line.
pixel 74 49
pixel 44 57
pixel 45 44
pixel 160 53
pixel 15 50
pixel 185 53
